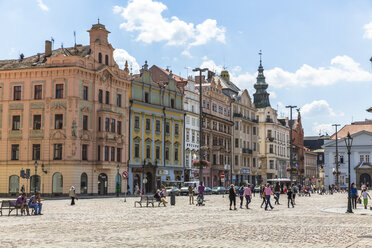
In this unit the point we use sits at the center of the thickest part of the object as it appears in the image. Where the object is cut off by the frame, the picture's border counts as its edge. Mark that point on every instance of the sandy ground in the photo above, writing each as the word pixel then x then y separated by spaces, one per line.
pixel 111 222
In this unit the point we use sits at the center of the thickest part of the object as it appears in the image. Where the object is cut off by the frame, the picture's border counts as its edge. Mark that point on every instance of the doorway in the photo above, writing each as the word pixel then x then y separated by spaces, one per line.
pixel 149 184
pixel 102 184
pixel 365 179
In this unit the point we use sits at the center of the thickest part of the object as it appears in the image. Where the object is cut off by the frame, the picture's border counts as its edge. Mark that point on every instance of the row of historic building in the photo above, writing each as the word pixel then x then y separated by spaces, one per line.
pixel 71 116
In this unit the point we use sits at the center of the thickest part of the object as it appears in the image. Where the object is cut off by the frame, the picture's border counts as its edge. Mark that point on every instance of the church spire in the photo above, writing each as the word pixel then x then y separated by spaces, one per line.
pixel 261 97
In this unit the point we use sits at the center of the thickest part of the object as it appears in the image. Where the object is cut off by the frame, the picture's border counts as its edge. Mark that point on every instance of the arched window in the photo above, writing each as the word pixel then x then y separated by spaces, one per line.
pixel 106 59
pixel 84 183
pixel 13 184
pixel 35 183
pixel 100 58
pixel 57 183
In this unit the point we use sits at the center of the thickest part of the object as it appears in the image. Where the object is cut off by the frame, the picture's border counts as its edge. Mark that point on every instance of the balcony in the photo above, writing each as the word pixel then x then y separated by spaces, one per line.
pixel 269 120
pixel 271 139
pixel 246 151
pixel 244 117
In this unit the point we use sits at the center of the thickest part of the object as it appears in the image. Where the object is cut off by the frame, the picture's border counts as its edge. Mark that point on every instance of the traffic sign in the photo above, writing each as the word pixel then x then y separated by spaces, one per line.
pixel 222 175
pixel 125 174
pixel 222 179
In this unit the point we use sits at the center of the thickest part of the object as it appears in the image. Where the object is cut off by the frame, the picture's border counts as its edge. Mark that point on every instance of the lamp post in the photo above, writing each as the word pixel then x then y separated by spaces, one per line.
pixel 290 140
pixel 35 175
pixel 349 143
pixel 336 158
pixel 200 123
pixel 117 180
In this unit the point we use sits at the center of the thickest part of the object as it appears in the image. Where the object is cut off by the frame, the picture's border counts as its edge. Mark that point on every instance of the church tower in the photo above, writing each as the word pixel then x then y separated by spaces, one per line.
pixel 261 97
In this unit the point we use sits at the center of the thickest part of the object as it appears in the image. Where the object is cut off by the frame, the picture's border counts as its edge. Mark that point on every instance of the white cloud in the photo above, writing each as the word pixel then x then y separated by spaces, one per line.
pixel 318 108
pixel 120 56
pixel 341 68
pixel 211 65
pixel 186 53
pixel 322 129
pixel 146 18
pixel 42 5
pixel 367 31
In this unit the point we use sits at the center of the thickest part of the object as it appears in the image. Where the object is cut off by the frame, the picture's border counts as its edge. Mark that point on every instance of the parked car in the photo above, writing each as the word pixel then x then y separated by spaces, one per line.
pixel 257 189
pixel 172 189
pixel 219 190
pixel 207 191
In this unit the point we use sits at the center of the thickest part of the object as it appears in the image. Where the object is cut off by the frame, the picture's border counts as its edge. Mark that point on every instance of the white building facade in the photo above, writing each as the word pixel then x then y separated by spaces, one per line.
pixel 192 136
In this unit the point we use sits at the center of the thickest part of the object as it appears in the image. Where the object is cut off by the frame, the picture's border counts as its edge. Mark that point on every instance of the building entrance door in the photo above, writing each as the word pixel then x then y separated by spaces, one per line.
pixel 149 183
pixel 102 184
pixel 365 179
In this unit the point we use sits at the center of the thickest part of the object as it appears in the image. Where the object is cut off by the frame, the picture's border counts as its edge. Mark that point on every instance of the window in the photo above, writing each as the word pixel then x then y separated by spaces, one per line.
pixel 99 124
pixel 175 154
pixel 17 93
pixel 112 153
pixel 38 92
pixel 254 130
pixel 157 152
pixel 214 107
pixel 118 155
pixel 36 152
pixel 236 143
pixel 367 158
pixel 193 136
pixel 106 59
pixel 148 124
pixel 214 159
pixel 207 105
pixel 271 164
pixel 136 150
pixel 84 152
pixel 157 126
pixel 16 122
pixel 99 153
pixel 107 124
pixel 119 127
pixel 187 135
pixel 106 153
pixel 113 125
pixel 167 128
pixel 85 122
pixel 57 151
pixel 147 97
pixel 254 146
pixel 271 149
pixel 107 97
pixel 172 103
pixel 167 153
pixel 254 162
pixel 203 103
pixel 236 125
pixel 15 152
pixel 236 160
pixel 361 158
pixel 197 137
pixel 100 96
pixel 136 122
pixel 118 100
pixel 85 92
pixel 341 159
pixel 176 129
pixel 148 151
pixel 59 90
pixel 37 122
pixel 269 133
pixel 58 121
pixel 100 58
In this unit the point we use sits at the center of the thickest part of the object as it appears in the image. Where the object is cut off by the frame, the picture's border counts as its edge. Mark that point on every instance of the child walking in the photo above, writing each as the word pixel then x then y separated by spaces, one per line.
pixel 365 196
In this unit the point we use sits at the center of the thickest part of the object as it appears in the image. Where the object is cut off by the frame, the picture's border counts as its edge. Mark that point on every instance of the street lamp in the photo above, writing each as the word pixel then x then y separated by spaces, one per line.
pixel 117 180
pixel 290 141
pixel 35 181
pixel 200 122
pixel 349 143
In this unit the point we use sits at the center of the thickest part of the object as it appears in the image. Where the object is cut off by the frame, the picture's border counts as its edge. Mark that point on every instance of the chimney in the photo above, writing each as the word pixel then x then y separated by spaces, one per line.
pixel 48 48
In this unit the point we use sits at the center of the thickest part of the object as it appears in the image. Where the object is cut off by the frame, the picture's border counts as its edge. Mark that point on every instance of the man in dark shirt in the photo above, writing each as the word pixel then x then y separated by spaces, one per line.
pixel 290 197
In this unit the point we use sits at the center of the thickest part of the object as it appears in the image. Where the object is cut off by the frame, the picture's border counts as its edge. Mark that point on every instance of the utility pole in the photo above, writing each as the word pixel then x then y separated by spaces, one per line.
pixel 290 140
pixel 200 123
pixel 336 158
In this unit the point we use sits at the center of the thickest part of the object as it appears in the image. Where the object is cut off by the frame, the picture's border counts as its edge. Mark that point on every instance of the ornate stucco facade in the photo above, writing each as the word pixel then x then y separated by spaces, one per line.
pixel 67 109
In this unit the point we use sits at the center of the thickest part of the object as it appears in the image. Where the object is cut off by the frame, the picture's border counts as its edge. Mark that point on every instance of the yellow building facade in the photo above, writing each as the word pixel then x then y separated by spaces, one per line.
pixel 156 132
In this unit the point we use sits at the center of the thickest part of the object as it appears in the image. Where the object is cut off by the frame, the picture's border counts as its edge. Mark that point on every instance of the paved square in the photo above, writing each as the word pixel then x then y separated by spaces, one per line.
pixel 109 222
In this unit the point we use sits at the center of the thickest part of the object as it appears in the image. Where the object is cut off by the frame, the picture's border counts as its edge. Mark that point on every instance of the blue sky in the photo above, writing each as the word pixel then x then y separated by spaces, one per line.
pixel 315 53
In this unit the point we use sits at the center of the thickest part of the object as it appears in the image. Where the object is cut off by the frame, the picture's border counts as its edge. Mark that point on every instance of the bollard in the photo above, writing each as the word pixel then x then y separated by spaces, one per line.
pixel 173 198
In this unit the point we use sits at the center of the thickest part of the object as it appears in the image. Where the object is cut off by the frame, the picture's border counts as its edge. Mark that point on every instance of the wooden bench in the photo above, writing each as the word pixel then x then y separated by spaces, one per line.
pixel 143 199
pixel 7 205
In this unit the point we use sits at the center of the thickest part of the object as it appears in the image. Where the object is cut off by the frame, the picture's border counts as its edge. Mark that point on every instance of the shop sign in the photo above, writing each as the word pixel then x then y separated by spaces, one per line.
pixel 138 170
pixel 245 171
pixel 163 172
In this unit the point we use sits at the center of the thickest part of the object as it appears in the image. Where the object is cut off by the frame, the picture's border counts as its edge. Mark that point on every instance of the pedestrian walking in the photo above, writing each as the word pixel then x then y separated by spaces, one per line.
pixel 290 197
pixel 241 195
pixel 23 189
pixel 294 192
pixel 191 195
pixel 277 193
pixel 268 193
pixel 354 195
pixel 262 194
pixel 247 195
pixel 73 196
pixel 232 196
pixel 365 196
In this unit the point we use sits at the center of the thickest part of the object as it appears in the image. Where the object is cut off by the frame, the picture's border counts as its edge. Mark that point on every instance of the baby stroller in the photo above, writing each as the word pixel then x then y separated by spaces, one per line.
pixel 200 200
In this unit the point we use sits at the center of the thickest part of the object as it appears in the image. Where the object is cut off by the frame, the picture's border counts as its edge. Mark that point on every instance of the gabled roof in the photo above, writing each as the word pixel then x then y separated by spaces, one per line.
pixel 332 141
pixel 353 128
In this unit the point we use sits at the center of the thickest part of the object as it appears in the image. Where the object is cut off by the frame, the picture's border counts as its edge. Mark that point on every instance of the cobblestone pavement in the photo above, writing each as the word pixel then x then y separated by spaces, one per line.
pixel 110 222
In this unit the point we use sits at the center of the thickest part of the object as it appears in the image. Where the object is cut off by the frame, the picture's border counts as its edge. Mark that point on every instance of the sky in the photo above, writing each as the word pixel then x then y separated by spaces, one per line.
pixel 316 54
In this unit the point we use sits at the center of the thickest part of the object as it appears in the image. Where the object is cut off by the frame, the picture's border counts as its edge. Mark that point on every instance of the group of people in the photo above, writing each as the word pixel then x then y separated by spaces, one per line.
pixel 160 195
pixel 355 197
pixel 34 202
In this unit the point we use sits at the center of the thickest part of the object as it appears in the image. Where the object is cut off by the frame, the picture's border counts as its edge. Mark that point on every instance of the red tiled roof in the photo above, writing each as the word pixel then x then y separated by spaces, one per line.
pixel 353 128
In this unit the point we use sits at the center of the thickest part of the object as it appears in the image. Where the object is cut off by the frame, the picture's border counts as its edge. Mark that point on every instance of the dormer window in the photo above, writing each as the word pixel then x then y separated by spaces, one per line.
pixel 100 58
pixel 106 60
pixel 146 97
pixel 172 103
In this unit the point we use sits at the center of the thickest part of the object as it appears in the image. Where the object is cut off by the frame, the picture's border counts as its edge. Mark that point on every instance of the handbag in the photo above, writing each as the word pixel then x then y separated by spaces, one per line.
pixel 359 200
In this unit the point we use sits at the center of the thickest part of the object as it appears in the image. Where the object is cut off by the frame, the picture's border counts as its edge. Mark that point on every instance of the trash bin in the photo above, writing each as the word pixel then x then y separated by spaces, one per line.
pixel 173 198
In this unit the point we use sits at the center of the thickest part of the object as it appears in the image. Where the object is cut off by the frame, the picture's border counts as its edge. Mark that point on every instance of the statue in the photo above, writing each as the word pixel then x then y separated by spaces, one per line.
pixel 73 128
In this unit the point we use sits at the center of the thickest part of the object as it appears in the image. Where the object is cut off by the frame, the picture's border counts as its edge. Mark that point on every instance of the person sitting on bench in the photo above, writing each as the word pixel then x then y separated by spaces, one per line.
pixel 35 203
pixel 21 203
